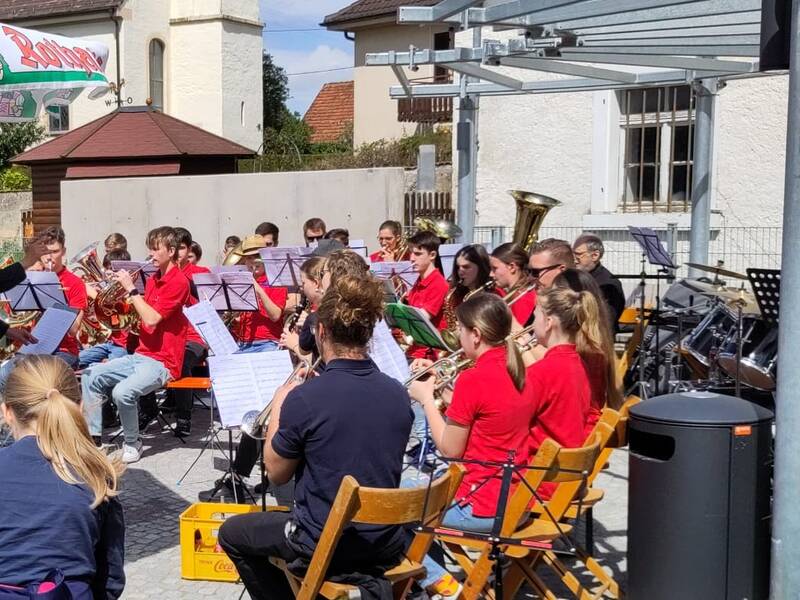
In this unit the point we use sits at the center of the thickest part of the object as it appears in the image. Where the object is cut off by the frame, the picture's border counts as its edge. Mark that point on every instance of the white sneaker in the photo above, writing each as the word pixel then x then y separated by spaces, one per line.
pixel 131 453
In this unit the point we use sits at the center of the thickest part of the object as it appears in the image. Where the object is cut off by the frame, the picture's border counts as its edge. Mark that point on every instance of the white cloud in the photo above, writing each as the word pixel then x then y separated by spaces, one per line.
pixel 304 88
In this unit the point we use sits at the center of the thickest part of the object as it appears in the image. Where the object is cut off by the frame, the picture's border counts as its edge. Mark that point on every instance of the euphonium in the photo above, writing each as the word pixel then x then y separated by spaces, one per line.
pixel 234 256
pixel 445 230
pixel 531 210
pixel 86 266
pixel 112 308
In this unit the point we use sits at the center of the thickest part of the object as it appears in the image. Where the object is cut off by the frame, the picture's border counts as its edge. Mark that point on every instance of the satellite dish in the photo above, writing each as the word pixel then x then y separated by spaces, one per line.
pixel 98 92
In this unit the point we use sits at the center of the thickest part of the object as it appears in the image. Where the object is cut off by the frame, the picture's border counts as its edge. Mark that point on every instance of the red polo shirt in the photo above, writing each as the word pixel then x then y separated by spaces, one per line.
pixel 75 292
pixel 499 417
pixel 597 371
pixel 522 309
pixel 119 338
pixel 257 326
pixel 189 269
pixel 428 294
pixel 166 342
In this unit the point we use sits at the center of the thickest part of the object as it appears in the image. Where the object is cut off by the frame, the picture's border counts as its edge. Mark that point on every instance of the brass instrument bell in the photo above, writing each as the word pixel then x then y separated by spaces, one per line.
pixel 532 208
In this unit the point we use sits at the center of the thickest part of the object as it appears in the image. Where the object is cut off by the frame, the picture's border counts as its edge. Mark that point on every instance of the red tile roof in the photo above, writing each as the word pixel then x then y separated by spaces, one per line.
pixel 331 112
pixel 132 133
pixel 363 9
pixel 28 9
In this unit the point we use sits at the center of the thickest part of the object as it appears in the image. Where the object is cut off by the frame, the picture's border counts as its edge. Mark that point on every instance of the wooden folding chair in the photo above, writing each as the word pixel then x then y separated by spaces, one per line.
pixel 373 506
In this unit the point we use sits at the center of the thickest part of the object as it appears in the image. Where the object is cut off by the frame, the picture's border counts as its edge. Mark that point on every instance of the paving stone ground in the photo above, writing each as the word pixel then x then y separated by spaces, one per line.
pixel 153 502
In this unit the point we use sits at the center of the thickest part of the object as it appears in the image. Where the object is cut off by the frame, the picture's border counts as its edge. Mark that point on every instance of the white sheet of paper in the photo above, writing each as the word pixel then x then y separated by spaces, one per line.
pixel 209 325
pixel 359 247
pixel 387 270
pixel 447 252
pixel 148 269
pixel 50 330
pixel 245 382
pixel 387 354
pixel 282 265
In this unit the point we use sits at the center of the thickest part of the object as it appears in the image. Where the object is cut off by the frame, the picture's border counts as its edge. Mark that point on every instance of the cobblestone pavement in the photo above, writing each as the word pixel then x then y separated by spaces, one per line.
pixel 153 502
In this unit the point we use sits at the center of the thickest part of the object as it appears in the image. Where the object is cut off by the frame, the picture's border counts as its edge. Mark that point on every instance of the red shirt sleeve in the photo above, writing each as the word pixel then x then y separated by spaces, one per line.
pixel 465 407
pixel 74 290
pixel 278 295
pixel 433 298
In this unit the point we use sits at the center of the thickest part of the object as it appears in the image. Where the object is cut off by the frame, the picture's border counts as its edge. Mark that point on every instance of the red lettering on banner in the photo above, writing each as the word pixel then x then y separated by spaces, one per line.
pixel 29 57
pixel 59 52
pixel 72 58
pixel 87 60
pixel 50 57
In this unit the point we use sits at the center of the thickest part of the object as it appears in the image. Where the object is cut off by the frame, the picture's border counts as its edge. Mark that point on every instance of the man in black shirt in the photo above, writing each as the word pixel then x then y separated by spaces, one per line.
pixel 589 250
pixel 350 420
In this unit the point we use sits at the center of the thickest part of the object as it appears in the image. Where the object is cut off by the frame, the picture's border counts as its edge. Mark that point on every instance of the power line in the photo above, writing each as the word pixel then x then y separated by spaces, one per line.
pixel 321 71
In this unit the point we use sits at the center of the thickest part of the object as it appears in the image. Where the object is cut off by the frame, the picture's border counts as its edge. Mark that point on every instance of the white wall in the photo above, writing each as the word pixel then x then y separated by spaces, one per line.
pixel 214 207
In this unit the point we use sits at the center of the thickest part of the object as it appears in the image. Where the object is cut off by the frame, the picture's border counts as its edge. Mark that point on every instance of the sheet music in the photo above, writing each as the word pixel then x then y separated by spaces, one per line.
pixel 245 382
pixel 387 270
pixel 387 354
pixel 447 253
pixel 50 330
pixel 241 296
pixel 282 265
pixel 207 323
pixel 39 291
pixel 359 247
pixel 148 269
pixel 217 269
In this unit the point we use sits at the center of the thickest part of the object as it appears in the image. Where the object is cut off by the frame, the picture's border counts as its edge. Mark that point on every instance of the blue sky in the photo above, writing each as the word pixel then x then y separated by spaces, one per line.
pixel 304 51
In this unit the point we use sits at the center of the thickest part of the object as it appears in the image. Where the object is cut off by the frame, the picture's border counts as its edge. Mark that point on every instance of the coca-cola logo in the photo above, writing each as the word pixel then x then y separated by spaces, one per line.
pixel 223 565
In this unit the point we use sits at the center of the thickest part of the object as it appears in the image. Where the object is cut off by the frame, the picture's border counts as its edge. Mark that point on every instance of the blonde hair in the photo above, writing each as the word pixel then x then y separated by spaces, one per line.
pixel 43 394
pixel 491 316
pixel 582 318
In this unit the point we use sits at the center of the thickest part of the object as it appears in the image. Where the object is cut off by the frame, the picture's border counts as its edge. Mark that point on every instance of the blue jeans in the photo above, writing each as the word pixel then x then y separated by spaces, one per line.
pixel 460 518
pixel 125 380
pixel 257 346
pixel 99 353
pixel 8 366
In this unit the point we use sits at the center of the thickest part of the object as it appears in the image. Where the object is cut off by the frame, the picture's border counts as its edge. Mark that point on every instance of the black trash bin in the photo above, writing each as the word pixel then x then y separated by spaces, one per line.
pixel 699 498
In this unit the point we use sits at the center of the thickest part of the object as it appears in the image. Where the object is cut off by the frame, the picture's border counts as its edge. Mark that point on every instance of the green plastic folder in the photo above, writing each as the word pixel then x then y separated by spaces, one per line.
pixel 416 324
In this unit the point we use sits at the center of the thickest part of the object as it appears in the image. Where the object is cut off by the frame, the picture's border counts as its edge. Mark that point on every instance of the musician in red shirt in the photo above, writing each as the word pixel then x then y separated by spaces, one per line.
pixel 159 356
pixel 487 419
pixel 261 330
pixel 429 291
pixel 390 238
pixel 509 264
pixel 118 341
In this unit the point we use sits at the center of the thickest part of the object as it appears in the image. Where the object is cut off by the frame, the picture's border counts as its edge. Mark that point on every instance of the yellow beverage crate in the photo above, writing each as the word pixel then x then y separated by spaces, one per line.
pixel 201 555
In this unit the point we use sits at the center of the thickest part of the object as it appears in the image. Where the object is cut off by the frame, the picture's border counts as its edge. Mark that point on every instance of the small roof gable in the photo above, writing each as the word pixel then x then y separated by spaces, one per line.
pixel 132 133
pixel 331 112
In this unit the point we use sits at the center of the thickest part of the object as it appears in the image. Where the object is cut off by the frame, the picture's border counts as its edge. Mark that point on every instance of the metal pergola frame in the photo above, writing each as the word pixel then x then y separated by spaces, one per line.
pixel 620 44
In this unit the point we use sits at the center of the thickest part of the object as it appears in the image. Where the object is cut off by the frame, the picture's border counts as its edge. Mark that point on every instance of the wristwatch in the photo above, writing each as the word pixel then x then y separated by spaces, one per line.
pixel 134 292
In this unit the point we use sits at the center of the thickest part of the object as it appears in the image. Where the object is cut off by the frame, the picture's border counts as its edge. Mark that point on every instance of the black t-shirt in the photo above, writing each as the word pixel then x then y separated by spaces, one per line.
pixel 350 420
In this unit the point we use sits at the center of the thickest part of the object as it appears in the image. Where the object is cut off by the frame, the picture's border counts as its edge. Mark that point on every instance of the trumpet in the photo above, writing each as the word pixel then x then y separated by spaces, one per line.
pixel 254 422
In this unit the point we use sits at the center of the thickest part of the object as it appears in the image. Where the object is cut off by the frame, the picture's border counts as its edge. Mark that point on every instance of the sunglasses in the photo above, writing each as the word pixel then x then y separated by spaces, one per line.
pixel 314 238
pixel 537 273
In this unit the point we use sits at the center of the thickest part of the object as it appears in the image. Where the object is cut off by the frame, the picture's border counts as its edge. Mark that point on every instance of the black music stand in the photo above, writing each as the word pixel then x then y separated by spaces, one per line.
pixel 282 265
pixel 40 290
pixel 654 253
pixel 225 295
pixel 144 270
pixel 766 284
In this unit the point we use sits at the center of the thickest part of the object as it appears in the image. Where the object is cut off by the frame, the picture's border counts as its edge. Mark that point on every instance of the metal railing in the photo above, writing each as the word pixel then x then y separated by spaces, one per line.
pixel 738 247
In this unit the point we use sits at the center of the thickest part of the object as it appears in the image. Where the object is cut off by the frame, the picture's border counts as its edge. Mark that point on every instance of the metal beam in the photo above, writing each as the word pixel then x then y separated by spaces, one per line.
pixel 645 41
pixel 565 68
pixel 485 74
pixel 688 32
pixel 678 50
pixel 785 576
pixel 401 77
pixel 424 57
pixel 648 22
pixel 702 172
pixel 448 8
pixel 668 62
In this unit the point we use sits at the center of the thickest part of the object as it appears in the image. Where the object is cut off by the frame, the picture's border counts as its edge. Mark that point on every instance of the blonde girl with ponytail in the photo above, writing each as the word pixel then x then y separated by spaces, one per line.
pixel 58 497
pixel 488 417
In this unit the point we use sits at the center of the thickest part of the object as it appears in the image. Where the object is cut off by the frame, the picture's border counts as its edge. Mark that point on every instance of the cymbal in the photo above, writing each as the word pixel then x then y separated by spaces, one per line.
pixel 716 270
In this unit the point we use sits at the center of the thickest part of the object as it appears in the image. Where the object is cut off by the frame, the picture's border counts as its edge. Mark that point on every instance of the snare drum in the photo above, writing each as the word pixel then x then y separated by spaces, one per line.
pixel 759 365
pixel 715 326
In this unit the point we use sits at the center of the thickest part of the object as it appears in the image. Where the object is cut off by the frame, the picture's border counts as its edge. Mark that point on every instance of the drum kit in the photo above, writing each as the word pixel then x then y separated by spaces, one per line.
pixel 721 342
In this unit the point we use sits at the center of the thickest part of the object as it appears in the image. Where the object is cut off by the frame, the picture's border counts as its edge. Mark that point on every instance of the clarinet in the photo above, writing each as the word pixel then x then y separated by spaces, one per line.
pixel 298 310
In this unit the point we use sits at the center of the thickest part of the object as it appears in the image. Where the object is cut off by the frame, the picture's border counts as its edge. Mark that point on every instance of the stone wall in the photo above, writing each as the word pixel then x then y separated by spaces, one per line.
pixel 11 206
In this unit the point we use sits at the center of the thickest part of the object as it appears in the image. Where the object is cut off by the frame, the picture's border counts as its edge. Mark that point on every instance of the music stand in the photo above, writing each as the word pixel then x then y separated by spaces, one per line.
pixel 392 271
pixel 654 253
pixel 40 290
pixel 145 269
pixel 282 265
pixel 227 291
pixel 447 254
pixel 766 284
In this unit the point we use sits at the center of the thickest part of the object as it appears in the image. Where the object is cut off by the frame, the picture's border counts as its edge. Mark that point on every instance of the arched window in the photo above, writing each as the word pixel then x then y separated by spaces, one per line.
pixel 157 74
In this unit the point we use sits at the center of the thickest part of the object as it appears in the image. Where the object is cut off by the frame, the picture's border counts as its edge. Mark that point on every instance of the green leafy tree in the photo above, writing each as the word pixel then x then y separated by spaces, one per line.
pixel 276 93
pixel 16 137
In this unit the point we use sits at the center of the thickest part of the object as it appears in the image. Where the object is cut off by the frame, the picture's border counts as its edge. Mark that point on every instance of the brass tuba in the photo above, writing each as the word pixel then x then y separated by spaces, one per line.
pixel 444 230
pixel 234 256
pixel 86 265
pixel 531 210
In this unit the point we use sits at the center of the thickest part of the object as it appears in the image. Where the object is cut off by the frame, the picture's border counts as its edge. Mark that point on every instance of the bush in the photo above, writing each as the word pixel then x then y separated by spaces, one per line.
pixel 280 155
pixel 15 179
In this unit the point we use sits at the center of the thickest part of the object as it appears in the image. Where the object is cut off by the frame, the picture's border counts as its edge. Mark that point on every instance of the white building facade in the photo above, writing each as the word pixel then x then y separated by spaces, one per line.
pixel 197 60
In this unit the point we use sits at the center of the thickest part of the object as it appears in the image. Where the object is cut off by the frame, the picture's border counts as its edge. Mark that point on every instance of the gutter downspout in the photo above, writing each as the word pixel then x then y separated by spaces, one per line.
pixel 117 28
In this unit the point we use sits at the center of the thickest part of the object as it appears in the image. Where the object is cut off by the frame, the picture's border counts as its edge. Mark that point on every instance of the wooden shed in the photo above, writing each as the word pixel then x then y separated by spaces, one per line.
pixel 129 142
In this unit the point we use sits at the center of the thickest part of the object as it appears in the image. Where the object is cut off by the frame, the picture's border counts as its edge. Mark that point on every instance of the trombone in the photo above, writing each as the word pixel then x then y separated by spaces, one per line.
pixel 254 422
